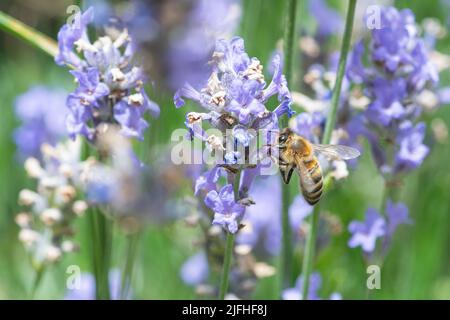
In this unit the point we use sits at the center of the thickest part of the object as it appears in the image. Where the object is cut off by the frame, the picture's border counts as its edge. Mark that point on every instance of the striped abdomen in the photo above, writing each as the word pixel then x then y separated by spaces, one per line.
pixel 311 180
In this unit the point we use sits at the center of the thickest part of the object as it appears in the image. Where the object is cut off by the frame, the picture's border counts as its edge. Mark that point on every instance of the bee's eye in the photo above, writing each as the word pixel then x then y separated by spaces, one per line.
pixel 282 138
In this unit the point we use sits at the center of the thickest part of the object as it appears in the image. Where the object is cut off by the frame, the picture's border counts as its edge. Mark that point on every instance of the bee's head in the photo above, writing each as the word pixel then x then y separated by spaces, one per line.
pixel 283 136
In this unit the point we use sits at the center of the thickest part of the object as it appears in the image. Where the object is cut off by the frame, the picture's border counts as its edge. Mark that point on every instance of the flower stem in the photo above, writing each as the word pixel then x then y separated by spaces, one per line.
pixel 331 122
pixel 226 266
pixel 287 249
pixel 28 34
pixel 127 272
pixel 289 38
pixel 101 233
pixel 37 281
pixel 105 237
pixel 229 247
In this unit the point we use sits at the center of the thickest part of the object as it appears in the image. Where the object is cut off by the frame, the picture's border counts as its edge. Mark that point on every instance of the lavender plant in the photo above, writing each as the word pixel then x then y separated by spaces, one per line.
pixel 398 73
pixel 110 94
pixel 234 98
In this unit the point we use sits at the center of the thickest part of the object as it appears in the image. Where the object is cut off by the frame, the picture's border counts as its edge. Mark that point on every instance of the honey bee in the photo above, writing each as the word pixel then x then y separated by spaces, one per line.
pixel 298 153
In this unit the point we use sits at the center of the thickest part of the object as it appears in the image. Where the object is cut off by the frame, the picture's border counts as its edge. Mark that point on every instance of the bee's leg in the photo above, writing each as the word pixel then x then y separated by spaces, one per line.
pixel 228 168
pixel 286 171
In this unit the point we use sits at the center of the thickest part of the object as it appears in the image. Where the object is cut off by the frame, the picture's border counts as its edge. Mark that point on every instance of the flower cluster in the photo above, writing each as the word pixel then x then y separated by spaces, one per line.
pixel 45 223
pixel 399 70
pixel 234 100
pixel 365 234
pixel 42 112
pixel 110 87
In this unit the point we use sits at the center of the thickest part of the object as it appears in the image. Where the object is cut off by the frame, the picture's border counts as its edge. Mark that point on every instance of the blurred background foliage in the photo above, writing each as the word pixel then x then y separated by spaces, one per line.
pixel 417 267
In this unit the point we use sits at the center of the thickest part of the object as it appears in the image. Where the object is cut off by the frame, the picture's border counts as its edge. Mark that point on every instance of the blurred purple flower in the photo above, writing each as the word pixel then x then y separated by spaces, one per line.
pixel 315 282
pixel 227 213
pixel 191 47
pixel 86 289
pixel 412 151
pixel 387 100
pixel 365 234
pixel 298 211
pixel 329 21
pixel 263 219
pixel 397 214
pixel 42 112
pixel 195 270
pixel 308 125
pixel 391 42
pixel 356 70
pixel 444 95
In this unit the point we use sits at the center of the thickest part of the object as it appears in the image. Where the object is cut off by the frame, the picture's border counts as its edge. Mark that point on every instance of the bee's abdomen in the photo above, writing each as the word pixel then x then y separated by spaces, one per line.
pixel 312 183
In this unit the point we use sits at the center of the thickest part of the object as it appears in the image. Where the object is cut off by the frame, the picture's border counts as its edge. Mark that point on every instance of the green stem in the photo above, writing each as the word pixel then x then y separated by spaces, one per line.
pixel 101 232
pixel 226 266
pixel 28 34
pixel 93 240
pixel 286 238
pixel 289 38
pixel 229 247
pixel 378 253
pixel 309 251
pixel 37 281
pixel 287 249
pixel 105 232
pixel 331 122
pixel 127 272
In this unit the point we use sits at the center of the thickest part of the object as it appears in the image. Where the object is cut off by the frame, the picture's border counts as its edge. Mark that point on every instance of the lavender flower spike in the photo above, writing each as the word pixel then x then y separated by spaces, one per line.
pixel 110 87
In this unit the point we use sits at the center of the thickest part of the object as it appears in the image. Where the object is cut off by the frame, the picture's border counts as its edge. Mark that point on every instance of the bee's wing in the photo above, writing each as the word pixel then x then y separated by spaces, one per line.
pixel 336 152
